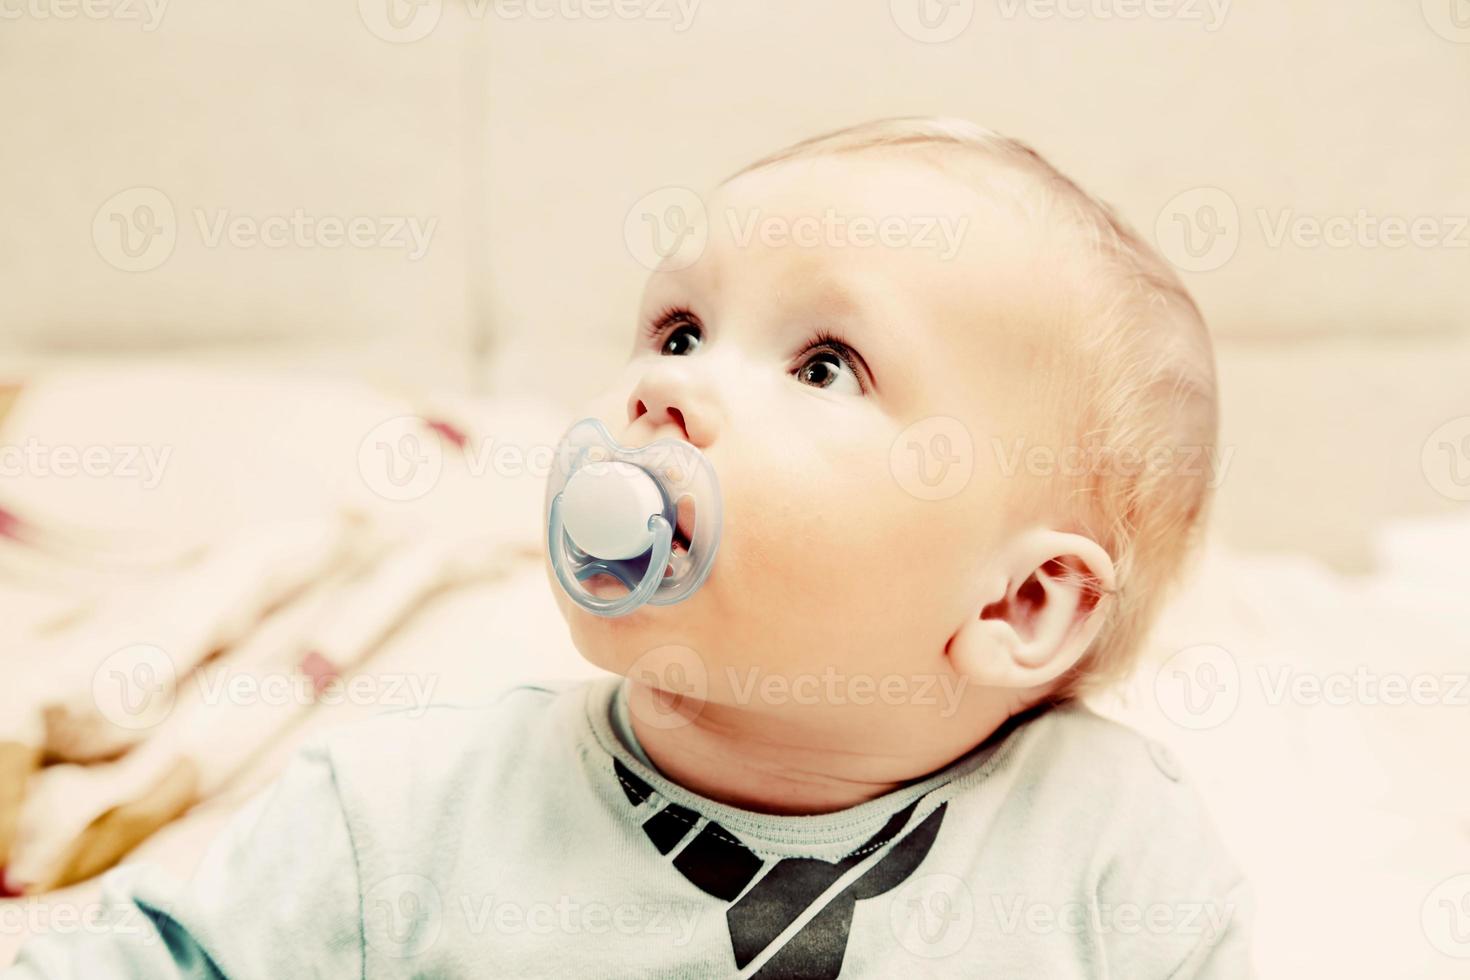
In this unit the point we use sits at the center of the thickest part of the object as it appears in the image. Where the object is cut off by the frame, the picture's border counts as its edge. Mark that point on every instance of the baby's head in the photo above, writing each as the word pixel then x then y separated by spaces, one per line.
pixel 956 409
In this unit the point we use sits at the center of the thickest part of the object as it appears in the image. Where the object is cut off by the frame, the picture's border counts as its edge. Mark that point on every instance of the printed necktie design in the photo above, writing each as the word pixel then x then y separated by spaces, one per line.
pixel 720 865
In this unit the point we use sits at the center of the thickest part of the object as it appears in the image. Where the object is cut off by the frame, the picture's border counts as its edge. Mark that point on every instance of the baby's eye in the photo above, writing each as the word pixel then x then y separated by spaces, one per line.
pixel 828 369
pixel 682 341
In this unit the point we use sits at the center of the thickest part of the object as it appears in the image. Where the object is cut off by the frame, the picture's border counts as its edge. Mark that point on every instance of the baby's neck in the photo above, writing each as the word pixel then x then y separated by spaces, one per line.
pixel 743 759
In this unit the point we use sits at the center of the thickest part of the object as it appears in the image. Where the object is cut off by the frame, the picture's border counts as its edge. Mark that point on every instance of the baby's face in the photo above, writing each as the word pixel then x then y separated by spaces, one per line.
pixel 796 365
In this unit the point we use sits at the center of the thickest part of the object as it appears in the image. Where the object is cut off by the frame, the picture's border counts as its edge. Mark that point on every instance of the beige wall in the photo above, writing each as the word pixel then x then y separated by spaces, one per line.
pixel 243 112
pixel 1288 108
pixel 528 142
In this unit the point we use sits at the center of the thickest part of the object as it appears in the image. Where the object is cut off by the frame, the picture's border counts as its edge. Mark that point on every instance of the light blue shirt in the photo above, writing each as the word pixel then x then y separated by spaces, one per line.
pixel 524 838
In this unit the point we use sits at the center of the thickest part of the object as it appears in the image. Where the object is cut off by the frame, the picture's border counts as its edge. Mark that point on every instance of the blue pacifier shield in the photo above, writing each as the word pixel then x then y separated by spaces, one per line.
pixel 616 512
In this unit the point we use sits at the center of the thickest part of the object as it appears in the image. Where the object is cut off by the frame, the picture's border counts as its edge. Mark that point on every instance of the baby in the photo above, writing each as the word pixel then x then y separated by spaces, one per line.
pixel 858 748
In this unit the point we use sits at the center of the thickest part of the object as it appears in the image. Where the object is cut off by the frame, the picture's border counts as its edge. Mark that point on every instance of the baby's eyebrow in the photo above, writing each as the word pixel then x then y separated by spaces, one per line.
pixel 849 314
pixel 834 299
pixel 849 310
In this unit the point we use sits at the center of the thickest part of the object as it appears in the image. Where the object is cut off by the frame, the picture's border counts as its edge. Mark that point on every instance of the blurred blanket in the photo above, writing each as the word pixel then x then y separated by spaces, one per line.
pixel 158 726
pixel 152 663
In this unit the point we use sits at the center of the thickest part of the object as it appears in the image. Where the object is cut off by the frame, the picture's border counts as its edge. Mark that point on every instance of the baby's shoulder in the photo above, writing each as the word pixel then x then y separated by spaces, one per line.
pixel 1106 755
pixel 417 767
pixel 450 729
pixel 1130 789
pixel 1116 836
pixel 1121 809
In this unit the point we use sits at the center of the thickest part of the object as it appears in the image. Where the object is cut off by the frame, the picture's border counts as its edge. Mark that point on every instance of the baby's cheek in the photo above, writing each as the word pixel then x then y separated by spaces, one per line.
pixel 832 549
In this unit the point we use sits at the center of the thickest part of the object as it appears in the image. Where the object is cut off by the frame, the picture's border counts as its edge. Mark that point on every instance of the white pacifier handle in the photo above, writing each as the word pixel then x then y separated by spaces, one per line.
pixel 662 533
pixel 614 511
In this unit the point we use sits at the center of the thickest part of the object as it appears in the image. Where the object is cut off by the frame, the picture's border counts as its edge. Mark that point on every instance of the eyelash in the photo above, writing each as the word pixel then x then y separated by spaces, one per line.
pixel 822 340
pixel 670 317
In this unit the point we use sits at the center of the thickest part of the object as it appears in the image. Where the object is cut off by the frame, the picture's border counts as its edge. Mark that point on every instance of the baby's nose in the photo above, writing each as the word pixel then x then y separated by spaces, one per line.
pixel 662 399
pixel 650 417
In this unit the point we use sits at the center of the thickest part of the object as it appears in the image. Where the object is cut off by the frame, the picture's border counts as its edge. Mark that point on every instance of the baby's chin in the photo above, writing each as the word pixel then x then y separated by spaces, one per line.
pixel 621 643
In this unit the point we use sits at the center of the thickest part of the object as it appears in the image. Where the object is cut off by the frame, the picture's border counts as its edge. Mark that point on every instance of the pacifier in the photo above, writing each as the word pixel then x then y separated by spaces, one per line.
pixel 648 517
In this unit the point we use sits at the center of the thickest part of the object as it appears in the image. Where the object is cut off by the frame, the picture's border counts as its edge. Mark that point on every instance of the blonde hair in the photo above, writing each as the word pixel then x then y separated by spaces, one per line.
pixel 1149 387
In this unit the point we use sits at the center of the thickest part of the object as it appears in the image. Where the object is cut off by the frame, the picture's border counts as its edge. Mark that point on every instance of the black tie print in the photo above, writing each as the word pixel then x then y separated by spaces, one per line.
pixel 720 865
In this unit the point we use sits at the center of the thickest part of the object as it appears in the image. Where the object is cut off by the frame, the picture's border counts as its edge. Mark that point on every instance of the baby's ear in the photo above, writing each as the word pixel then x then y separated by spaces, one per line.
pixel 1042 605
